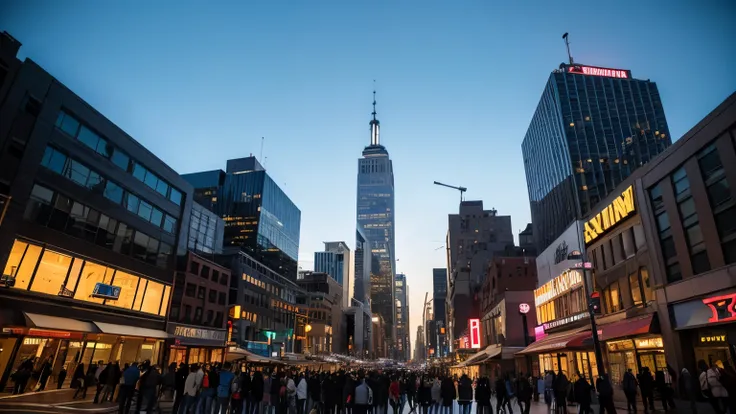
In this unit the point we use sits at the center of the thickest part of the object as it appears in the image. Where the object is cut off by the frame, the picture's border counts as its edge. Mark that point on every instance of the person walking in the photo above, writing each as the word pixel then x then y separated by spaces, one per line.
pixel 465 394
pixel 180 379
pixel 61 377
pixel 424 394
pixel 483 396
pixel 436 396
pixel 630 385
pixel 502 397
pixel 301 395
pixel 687 389
pixel 549 382
pixel 560 387
pixel 363 397
pixel 227 385
pixel 150 382
pixel 394 394
pixel 127 388
pixel 192 386
pixel 45 374
pixel 581 390
pixel 449 395
pixel 646 386
pixel 718 392
pixel 605 395
pixel 524 393
pixel 89 381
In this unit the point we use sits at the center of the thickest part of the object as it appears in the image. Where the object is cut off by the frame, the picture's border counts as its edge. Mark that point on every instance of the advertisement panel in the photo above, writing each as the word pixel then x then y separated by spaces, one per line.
pixel 553 260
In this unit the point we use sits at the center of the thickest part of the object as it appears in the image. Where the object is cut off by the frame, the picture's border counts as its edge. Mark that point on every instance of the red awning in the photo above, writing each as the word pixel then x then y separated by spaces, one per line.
pixel 558 341
pixel 628 327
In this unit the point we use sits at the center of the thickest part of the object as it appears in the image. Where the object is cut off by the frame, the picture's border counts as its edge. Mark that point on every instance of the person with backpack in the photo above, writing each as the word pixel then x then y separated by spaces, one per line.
pixel 605 394
pixel 226 387
pixel 630 385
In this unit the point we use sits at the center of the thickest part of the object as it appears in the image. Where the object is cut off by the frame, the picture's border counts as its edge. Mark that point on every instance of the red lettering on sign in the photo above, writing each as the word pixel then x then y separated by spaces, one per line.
pixel 723 308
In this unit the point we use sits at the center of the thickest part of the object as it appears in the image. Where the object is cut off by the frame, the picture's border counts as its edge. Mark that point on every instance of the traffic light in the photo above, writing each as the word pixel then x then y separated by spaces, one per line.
pixel 595 302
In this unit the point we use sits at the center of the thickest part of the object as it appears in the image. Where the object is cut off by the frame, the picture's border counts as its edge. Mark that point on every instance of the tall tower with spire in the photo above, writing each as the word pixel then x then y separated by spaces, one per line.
pixel 375 217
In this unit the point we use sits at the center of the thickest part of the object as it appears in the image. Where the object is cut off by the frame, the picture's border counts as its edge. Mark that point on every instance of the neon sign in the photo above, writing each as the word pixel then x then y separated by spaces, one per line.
pixel 563 283
pixel 474 333
pixel 610 216
pixel 524 308
pixel 595 71
pixel 723 308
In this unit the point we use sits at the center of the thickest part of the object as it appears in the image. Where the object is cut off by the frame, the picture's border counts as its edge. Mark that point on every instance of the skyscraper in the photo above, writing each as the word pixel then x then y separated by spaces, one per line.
pixel 335 261
pixel 363 260
pixel 591 129
pixel 402 317
pixel 439 297
pixel 259 217
pixel 375 217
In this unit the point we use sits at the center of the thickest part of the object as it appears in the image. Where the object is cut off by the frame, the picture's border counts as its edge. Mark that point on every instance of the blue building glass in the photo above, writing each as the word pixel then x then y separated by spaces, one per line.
pixel 591 129
pixel 259 217
pixel 331 263
pixel 375 217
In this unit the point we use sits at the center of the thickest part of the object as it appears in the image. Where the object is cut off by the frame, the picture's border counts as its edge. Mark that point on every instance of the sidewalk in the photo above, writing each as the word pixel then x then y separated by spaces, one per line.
pixel 59 400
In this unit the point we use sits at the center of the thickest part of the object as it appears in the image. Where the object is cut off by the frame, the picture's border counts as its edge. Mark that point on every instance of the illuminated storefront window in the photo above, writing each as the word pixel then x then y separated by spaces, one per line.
pixel 61 274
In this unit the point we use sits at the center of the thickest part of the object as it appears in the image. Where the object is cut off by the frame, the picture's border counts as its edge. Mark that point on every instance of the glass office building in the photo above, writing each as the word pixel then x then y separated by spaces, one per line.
pixel 591 129
pixel 375 216
pixel 259 217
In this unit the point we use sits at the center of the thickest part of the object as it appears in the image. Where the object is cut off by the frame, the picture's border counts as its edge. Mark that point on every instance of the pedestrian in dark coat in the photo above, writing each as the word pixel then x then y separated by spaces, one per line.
pixel 60 379
pixel 483 396
pixel 181 378
pixel 582 394
pixel 630 386
pixel 449 394
pixel 605 394
pixel 646 386
pixel 78 377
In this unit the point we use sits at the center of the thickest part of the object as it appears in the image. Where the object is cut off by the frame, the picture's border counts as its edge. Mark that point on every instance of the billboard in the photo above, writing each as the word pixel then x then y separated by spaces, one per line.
pixel 474 330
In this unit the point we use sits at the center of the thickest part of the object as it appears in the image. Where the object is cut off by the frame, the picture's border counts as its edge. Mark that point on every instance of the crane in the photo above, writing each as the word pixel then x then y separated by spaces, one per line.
pixel 461 189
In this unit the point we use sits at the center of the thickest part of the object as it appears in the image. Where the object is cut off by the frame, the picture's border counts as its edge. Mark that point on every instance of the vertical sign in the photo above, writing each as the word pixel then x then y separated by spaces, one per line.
pixel 474 333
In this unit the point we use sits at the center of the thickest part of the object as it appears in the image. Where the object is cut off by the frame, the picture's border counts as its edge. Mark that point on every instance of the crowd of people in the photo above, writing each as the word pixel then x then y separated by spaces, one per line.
pixel 232 389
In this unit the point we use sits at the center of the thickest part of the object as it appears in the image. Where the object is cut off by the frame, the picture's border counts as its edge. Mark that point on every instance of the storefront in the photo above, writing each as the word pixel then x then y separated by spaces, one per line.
pixel 567 351
pixel 68 343
pixel 707 328
pixel 196 345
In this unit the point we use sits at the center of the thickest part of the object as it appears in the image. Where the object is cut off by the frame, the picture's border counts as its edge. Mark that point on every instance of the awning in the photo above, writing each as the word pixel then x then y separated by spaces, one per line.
pixel 556 342
pixel 36 320
pixel 125 330
pixel 627 327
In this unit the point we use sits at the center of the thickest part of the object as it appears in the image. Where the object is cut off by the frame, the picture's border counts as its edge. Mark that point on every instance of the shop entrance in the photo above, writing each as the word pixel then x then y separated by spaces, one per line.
pixel 713 355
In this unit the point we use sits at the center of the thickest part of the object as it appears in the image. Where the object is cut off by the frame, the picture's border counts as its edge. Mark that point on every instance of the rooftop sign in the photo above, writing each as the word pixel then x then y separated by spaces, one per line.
pixel 595 71
pixel 621 208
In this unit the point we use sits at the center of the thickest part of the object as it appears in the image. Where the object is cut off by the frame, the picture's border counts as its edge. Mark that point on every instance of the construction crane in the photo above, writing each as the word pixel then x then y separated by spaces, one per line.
pixel 460 189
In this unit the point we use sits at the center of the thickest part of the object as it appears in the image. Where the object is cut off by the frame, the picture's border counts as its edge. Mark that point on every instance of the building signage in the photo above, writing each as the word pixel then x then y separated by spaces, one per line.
pixel 595 71
pixel 722 307
pixel 105 291
pixel 712 339
pixel 621 208
pixel 564 321
pixel 198 333
pixel 649 343
pixel 474 329
pixel 583 265
pixel 539 332
pixel 524 308
pixel 561 252
pixel 558 286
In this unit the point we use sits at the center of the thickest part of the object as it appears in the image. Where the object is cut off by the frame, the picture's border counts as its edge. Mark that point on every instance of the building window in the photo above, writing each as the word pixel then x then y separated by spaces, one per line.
pixel 221 298
pixel 635 287
pixel 612 296
pixel 201 292
pixel 205 272
pixel 646 284
pixel 194 267
pixel 190 290
pixel 213 296
pixel 666 241
pixel 690 224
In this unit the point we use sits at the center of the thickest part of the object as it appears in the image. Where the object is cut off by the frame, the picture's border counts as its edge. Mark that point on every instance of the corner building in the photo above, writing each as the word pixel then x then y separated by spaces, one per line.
pixel 592 128
pixel 89 239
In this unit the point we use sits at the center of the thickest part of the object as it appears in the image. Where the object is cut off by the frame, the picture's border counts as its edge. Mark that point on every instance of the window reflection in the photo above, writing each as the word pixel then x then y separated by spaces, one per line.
pixel 139 295
pixel 23 278
pixel 51 273
pixel 91 275
pixel 152 299
pixel 16 253
pixel 165 302
pixel 128 285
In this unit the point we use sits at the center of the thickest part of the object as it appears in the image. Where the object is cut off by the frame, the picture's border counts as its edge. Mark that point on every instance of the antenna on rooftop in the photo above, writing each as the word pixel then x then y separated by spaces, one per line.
pixel 567 43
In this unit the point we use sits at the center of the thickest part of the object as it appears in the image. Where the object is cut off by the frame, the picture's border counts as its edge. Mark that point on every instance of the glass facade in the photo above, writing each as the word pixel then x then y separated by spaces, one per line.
pixel 375 215
pixel 587 135
pixel 205 231
pixel 439 279
pixel 362 273
pixel 259 217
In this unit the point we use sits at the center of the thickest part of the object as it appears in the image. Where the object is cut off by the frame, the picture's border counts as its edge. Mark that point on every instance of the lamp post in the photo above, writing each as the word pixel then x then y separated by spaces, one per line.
pixel 424 324
pixel 584 266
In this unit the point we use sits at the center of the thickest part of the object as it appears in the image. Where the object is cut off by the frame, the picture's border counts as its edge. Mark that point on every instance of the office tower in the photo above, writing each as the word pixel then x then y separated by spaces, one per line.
pixel 402 317
pixel 591 129
pixel 335 261
pixel 419 350
pixel 473 238
pixel 439 298
pixel 89 240
pixel 259 217
pixel 363 260
pixel 375 216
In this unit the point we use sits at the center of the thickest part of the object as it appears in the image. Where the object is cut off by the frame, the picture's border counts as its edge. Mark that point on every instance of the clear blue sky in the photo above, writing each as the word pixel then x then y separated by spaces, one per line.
pixel 458 82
